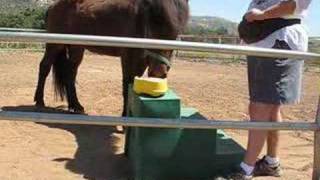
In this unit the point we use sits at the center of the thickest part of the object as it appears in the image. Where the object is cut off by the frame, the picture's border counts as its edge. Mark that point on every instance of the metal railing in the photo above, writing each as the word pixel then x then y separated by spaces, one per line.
pixel 89 40
pixel 153 122
pixel 163 123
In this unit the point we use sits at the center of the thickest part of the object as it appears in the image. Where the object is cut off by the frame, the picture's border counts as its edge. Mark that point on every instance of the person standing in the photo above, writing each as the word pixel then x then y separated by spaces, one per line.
pixel 273 82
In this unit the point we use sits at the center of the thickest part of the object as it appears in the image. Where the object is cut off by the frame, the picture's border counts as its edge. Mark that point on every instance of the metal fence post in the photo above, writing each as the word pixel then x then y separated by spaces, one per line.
pixel 316 160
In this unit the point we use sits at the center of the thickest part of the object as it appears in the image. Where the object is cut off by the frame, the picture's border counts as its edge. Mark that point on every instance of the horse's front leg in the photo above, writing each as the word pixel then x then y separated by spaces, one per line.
pixel 133 64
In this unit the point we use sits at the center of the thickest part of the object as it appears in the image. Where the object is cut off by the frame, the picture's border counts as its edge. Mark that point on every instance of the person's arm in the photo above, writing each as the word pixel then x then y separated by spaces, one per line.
pixel 284 8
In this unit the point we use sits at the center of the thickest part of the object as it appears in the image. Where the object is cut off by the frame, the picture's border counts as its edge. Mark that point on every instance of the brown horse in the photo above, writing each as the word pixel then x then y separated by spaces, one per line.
pixel 158 19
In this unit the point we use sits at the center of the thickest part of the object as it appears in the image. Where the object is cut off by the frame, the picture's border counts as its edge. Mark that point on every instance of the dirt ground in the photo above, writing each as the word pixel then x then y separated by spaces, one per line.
pixel 41 151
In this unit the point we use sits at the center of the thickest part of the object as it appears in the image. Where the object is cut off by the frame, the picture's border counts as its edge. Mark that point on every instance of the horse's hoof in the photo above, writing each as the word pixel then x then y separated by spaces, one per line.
pixel 40 104
pixel 77 110
pixel 124 113
pixel 120 129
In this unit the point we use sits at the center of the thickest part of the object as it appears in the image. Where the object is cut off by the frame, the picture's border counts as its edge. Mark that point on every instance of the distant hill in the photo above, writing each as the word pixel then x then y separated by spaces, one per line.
pixel 314 45
pixel 206 25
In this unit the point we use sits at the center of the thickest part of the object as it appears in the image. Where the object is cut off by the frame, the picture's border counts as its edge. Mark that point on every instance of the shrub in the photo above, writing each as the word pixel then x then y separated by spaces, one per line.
pixel 24 18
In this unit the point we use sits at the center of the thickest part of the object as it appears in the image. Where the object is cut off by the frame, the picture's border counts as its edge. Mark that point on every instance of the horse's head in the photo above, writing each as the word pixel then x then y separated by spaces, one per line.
pixel 158 63
pixel 162 19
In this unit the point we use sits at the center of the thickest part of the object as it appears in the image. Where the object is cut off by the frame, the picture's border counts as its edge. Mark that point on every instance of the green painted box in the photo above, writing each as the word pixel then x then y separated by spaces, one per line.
pixel 167 106
pixel 164 154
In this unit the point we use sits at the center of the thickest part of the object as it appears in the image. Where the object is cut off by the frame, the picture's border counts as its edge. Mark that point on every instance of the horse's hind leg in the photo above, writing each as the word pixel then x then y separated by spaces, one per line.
pixel 75 59
pixel 51 53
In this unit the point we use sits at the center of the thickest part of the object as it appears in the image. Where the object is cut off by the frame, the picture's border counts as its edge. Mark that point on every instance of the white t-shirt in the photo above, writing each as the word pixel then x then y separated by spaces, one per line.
pixel 295 35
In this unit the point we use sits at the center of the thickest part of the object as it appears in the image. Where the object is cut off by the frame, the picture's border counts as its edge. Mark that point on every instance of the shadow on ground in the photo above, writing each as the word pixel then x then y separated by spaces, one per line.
pixel 95 157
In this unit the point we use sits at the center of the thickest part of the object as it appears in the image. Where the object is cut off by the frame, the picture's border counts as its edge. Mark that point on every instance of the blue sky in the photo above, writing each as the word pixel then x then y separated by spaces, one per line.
pixel 234 9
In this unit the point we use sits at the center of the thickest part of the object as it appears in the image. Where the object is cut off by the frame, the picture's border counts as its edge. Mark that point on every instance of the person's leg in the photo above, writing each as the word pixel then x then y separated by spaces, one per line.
pixel 262 93
pixel 258 112
pixel 269 165
pixel 273 136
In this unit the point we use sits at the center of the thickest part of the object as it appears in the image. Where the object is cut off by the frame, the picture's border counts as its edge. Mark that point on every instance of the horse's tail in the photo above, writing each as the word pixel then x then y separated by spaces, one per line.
pixel 61 71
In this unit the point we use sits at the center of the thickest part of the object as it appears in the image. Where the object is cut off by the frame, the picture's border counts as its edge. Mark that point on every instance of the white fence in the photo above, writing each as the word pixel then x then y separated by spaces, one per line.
pixel 35 36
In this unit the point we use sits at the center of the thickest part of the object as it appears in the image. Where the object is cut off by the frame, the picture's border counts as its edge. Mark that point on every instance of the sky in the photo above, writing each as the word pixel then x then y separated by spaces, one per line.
pixel 234 9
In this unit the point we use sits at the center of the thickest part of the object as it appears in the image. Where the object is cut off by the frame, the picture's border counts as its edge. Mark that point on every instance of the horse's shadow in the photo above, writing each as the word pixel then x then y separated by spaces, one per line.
pixel 96 156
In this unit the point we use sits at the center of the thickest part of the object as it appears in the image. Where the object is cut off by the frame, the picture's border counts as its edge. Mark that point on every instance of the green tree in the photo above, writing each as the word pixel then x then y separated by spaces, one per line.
pixel 221 31
pixel 24 18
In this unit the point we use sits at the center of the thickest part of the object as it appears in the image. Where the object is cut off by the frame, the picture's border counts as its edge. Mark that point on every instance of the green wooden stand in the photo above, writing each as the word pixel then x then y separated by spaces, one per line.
pixel 163 154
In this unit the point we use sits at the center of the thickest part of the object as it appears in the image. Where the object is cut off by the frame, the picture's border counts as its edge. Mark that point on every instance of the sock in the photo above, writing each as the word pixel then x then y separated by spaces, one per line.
pixel 272 161
pixel 247 168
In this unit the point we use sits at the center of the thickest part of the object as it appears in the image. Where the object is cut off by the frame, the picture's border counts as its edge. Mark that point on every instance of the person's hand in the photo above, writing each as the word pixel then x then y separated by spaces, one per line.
pixel 254 15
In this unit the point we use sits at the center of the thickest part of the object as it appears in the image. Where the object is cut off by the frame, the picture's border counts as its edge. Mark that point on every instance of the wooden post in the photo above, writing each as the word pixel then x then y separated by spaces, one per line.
pixel 316 160
pixel 235 40
pixel 176 52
